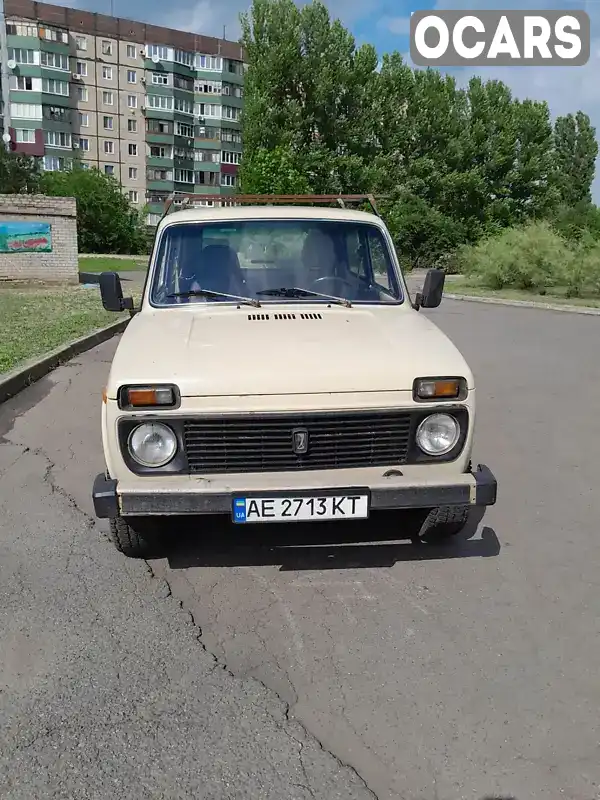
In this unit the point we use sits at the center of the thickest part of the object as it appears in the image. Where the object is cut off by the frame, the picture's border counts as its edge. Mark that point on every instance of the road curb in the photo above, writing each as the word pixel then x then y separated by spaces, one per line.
pixel 594 312
pixel 11 383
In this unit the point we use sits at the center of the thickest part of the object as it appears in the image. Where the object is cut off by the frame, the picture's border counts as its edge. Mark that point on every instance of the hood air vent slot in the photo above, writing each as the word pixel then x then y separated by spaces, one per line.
pixel 267 317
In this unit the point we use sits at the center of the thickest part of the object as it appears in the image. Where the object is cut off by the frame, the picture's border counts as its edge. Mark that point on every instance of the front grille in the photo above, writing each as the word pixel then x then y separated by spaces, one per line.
pixel 264 443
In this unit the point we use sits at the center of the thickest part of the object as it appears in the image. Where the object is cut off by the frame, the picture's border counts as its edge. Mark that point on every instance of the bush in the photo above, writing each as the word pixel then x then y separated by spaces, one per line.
pixel 582 274
pixel 532 257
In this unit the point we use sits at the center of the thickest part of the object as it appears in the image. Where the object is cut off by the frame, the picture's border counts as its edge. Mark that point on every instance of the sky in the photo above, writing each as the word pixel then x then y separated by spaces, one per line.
pixel 385 24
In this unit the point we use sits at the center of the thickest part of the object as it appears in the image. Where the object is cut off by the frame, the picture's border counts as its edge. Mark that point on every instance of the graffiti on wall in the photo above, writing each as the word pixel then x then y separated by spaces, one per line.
pixel 25 237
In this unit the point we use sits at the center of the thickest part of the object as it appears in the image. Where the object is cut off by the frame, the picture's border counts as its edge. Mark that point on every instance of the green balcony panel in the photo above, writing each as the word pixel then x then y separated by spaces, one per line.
pixel 207 144
pixel 49 99
pixel 54 47
pixel 34 98
pixel 159 89
pixel 28 70
pixel 155 162
pixel 159 138
pixel 158 113
pixel 159 186
pixel 28 124
pixel 24 42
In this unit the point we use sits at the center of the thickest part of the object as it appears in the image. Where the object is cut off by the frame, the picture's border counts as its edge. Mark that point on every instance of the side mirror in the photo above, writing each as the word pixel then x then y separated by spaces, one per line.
pixel 433 289
pixel 112 293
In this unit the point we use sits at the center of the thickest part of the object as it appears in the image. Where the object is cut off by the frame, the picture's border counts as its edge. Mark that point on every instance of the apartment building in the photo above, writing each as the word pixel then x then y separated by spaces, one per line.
pixel 159 109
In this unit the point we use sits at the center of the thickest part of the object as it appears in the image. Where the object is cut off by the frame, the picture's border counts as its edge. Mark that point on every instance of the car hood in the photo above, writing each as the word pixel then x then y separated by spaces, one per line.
pixel 245 351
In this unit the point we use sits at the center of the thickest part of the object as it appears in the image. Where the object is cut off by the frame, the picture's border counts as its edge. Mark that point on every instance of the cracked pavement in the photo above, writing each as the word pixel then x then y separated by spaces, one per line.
pixel 319 662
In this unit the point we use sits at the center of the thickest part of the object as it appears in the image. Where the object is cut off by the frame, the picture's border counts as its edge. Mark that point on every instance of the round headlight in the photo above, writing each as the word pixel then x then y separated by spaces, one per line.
pixel 438 434
pixel 152 444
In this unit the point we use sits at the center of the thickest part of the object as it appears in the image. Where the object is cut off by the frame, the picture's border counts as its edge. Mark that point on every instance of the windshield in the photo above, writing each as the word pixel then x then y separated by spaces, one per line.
pixel 274 261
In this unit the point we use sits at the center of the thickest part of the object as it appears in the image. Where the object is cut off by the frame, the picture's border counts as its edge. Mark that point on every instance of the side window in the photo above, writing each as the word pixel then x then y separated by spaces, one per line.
pixel 383 270
pixel 358 264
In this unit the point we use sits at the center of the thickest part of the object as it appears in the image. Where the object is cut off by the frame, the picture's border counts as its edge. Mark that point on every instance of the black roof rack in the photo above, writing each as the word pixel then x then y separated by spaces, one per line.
pixel 180 199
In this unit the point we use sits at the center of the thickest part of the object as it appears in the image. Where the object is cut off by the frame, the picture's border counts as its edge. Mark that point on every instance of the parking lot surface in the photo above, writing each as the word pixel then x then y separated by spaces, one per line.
pixel 320 662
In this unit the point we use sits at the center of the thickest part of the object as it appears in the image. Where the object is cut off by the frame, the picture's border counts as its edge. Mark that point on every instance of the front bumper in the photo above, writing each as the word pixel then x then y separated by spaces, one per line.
pixel 476 488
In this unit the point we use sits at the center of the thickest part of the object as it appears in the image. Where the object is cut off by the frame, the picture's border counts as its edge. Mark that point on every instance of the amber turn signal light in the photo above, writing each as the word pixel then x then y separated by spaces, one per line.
pixel 147 396
pixel 439 389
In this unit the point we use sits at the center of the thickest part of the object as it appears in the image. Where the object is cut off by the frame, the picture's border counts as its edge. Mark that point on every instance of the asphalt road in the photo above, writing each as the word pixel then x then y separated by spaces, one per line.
pixel 430 673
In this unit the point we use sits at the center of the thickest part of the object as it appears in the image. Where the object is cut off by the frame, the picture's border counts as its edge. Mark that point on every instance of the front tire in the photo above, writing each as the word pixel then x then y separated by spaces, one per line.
pixel 136 537
pixel 443 523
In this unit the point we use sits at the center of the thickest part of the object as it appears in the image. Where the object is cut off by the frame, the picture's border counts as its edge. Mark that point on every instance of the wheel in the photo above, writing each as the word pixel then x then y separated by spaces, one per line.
pixel 444 522
pixel 136 538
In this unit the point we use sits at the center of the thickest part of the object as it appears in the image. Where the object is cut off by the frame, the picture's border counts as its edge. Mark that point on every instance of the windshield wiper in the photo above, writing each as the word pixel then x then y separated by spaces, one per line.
pixel 297 292
pixel 209 293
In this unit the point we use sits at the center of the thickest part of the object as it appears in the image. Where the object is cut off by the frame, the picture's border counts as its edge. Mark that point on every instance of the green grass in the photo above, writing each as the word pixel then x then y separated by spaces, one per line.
pixel 554 296
pixel 133 264
pixel 38 318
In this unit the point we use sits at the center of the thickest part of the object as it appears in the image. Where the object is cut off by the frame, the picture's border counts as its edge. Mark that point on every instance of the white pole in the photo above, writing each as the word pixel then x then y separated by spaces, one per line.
pixel 5 77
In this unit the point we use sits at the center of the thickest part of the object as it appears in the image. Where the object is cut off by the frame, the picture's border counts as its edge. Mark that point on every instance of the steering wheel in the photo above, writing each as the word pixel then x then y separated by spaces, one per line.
pixel 335 279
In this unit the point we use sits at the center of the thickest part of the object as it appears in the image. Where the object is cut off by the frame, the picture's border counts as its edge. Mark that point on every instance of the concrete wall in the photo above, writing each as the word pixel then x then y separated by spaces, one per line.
pixel 61 214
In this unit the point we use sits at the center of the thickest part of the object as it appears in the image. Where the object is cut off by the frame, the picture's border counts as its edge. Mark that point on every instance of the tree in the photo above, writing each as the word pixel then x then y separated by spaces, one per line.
pixel 106 220
pixel 19 173
pixel 575 153
pixel 272 172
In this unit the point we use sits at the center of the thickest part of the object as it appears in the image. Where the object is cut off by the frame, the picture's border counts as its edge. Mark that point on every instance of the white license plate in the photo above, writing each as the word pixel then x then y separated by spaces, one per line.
pixel 297 509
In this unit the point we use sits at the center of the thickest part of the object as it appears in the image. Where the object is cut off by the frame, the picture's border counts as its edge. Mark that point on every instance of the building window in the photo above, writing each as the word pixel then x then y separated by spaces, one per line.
pixel 132 125
pixel 202 132
pixel 25 135
pixel 107 73
pixel 158 151
pixel 81 143
pixel 182 129
pixel 133 174
pixel 206 178
pixel 212 63
pixel 160 79
pixel 82 94
pixel 54 35
pixel 108 123
pixel 229 135
pixel 131 51
pixel 57 139
pixel 109 169
pixel 157 50
pixel 183 106
pixel 109 146
pixel 160 101
pixel 208 87
pixel 183 57
pixel 54 60
pixel 235 67
pixel 53 86
pixel 81 42
pixel 53 163
pixel 84 120
pixel 22 83
pixel 133 196
pixel 228 180
pixel 21 56
pixel 229 112
pixel 159 175
pixel 179 82
pixel 131 76
pixel 161 126
pixel 230 158
pixel 107 98
pixel 132 100
pixel 106 48
pixel 133 149
pixel 81 68
pixel 21 29
pixel 57 113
